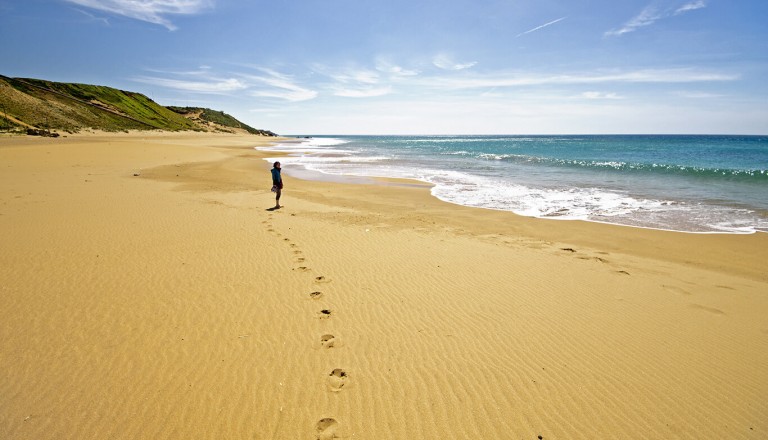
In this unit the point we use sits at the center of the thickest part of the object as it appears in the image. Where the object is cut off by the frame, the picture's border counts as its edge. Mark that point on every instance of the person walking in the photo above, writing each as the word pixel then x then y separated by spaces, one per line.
pixel 277 183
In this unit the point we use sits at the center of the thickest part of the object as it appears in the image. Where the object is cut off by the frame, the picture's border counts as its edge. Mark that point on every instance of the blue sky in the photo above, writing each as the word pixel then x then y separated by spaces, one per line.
pixel 414 66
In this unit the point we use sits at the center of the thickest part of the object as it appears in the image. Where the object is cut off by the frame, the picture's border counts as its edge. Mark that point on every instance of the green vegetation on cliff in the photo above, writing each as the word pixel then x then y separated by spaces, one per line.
pixel 216 118
pixel 33 104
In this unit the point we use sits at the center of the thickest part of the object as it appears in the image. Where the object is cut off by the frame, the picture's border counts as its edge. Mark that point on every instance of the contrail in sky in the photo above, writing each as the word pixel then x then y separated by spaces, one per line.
pixel 542 26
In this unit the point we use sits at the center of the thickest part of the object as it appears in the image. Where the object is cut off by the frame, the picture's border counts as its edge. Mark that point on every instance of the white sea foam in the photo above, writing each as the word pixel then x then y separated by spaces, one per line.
pixel 451 140
pixel 490 156
pixel 598 205
pixel 457 153
pixel 308 145
pixel 323 142
pixel 336 163
pixel 564 203
pixel 481 139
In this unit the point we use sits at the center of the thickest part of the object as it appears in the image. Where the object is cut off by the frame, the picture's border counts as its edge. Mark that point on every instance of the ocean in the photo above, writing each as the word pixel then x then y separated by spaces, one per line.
pixel 698 184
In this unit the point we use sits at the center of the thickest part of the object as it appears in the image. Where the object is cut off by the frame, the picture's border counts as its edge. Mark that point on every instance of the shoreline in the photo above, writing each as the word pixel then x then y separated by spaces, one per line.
pixel 320 176
pixel 148 290
pixel 757 251
pixel 626 201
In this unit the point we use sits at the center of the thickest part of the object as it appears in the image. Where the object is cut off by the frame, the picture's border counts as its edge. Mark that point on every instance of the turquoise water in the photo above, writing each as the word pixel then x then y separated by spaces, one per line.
pixel 681 183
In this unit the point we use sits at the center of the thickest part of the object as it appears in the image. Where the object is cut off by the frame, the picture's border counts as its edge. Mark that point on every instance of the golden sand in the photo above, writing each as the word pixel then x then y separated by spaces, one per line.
pixel 147 292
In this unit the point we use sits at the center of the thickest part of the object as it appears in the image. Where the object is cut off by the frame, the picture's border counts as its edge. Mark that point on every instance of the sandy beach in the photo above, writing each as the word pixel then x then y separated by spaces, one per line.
pixel 147 291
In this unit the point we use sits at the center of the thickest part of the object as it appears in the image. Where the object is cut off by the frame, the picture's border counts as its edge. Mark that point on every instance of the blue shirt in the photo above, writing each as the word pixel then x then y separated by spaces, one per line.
pixel 276 179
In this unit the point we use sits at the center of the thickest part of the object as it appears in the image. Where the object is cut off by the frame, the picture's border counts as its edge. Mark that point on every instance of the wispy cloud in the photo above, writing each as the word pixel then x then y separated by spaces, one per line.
pixel 647 17
pixel 280 86
pixel 697 95
pixel 356 82
pixel 215 86
pixel 446 62
pixel 93 17
pixel 151 11
pixel 521 79
pixel 355 76
pixel 390 68
pixel 265 83
pixel 599 95
pixel 651 14
pixel 270 86
pixel 692 6
pixel 200 72
pixel 540 27
pixel 369 92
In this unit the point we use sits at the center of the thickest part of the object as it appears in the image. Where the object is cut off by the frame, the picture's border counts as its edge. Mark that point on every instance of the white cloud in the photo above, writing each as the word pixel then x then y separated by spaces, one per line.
pixel 202 71
pixel 517 79
pixel 268 84
pixel 446 62
pixel 525 114
pixel 599 95
pixel 393 69
pixel 93 17
pixel 541 27
pixel 362 76
pixel 359 82
pixel 281 86
pixel 213 86
pixel 348 75
pixel 697 95
pixel 692 6
pixel 647 17
pixel 364 93
pixel 651 14
pixel 151 11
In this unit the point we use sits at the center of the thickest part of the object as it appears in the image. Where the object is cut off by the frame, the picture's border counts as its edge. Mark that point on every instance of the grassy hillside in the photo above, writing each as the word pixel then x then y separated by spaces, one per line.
pixel 39 104
pixel 206 116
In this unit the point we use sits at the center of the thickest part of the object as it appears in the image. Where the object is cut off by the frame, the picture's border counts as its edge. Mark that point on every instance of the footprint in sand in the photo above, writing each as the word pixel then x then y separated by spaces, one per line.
pixel 322 279
pixel 337 379
pixel 326 429
pixel 301 260
pixel 676 290
pixel 316 295
pixel 324 314
pixel 712 310
pixel 302 269
pixel 327 341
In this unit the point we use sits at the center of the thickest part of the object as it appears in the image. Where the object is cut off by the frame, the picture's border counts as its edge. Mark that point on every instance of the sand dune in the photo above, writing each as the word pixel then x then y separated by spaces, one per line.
pixel 146 291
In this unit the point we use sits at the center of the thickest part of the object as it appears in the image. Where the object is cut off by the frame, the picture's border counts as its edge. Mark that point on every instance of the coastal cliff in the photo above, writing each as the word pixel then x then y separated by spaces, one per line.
pixel 42 107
